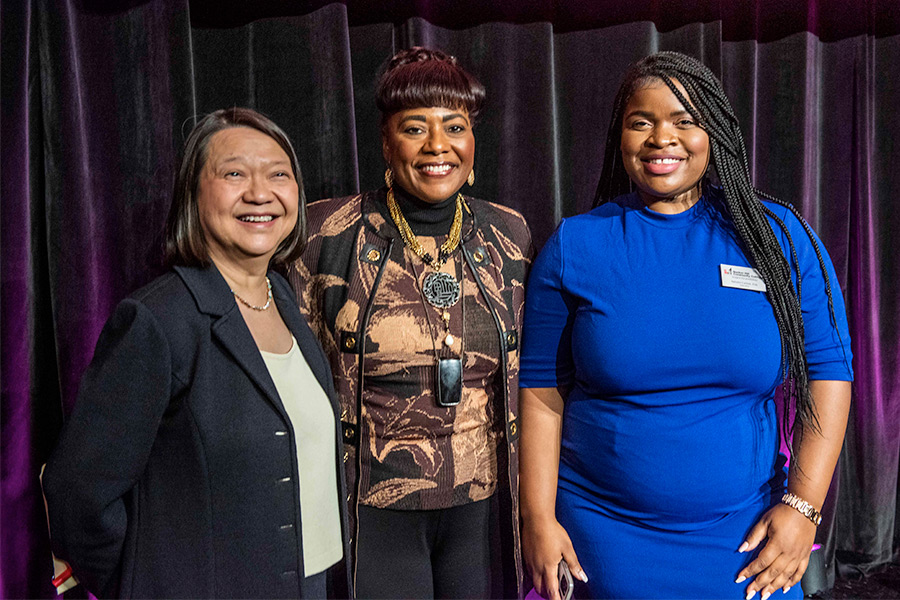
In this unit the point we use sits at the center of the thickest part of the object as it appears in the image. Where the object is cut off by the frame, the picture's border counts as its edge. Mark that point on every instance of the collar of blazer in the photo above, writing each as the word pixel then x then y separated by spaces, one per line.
pixel 213 297
pixel 209 289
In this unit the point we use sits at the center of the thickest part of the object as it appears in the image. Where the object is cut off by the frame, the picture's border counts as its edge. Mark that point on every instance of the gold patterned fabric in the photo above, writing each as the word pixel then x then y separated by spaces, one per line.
pixel 422 455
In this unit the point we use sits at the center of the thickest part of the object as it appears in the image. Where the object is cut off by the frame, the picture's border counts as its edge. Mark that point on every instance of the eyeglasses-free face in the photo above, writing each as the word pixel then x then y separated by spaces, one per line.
pixel 664 150
pixel 430 150
pixel 247 195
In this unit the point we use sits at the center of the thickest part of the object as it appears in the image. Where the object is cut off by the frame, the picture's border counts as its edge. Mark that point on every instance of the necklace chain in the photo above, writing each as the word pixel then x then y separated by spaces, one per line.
pixel 412 242
pixel 253 306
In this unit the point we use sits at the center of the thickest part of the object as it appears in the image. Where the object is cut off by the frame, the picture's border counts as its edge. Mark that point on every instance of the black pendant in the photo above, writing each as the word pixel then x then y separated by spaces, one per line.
pixel 441 289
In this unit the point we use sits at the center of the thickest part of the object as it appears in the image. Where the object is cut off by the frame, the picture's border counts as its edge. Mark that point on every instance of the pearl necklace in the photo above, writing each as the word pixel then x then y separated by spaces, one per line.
pixel 254 307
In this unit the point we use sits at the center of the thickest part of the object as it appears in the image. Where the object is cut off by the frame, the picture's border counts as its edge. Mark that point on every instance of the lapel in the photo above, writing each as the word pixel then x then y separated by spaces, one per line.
pixel 309 345
pixel 214 297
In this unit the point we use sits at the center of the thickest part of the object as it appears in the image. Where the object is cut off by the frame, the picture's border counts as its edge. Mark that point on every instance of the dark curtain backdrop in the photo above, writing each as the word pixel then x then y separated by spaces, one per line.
pixel 97 100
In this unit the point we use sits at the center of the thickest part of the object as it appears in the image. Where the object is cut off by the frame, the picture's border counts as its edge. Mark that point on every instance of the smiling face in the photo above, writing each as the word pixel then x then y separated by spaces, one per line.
pixel 430 150
pixel 664 150
pixel 247 196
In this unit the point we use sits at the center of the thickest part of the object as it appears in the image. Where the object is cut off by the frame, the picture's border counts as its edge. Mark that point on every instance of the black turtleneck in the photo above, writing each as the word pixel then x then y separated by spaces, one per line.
pixel 426 218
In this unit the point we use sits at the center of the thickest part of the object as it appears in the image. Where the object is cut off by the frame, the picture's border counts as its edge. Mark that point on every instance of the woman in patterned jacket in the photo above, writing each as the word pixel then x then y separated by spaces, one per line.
pixel 416 293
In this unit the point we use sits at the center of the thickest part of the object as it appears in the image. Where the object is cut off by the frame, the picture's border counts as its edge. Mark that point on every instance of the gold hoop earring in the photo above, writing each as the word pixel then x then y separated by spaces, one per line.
pixel 471 178
pixel 389 178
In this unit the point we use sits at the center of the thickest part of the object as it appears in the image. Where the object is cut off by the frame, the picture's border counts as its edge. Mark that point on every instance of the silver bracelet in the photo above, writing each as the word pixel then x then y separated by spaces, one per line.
pixel 803 507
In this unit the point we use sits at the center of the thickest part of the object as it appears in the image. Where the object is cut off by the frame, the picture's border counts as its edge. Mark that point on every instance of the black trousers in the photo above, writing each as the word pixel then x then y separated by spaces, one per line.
pixel 442 553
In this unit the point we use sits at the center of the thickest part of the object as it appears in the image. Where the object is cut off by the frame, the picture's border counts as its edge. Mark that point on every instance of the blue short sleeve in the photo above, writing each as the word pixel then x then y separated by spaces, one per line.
pixel 828 352
pixel 546 359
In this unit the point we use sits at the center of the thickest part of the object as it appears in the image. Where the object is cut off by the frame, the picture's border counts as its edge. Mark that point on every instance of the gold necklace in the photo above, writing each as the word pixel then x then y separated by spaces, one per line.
pixel 412 242
pixel 253 306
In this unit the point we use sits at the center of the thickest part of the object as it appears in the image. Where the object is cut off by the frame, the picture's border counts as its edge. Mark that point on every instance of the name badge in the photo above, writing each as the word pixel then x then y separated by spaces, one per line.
pixel 742 278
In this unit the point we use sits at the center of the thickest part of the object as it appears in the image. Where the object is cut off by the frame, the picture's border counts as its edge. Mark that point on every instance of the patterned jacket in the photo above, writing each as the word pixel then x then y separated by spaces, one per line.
pixel 351 240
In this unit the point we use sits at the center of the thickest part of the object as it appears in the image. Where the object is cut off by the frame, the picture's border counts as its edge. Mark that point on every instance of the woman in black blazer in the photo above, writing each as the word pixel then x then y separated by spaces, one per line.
pixel 202 456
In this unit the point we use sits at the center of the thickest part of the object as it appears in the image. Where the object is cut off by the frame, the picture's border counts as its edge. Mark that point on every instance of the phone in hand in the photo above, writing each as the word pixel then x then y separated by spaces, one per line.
pixel 566 583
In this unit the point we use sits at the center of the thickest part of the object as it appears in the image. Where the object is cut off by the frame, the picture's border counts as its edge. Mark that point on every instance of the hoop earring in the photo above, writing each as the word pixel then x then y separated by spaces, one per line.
pixel 471 179
pixel 389 178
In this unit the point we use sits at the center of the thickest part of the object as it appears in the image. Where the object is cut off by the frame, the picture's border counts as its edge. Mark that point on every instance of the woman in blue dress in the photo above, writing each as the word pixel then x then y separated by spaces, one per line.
pixel 657 329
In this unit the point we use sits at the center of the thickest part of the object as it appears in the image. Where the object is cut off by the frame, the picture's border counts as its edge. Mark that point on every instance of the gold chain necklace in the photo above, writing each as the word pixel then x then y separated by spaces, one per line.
pixel 412 242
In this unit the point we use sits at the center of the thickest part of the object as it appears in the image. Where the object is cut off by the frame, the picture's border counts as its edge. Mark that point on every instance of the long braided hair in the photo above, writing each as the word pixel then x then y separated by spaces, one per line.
pixel 741 205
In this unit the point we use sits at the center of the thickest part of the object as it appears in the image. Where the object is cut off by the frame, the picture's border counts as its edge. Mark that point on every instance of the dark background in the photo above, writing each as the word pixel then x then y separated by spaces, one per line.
pixel 97 98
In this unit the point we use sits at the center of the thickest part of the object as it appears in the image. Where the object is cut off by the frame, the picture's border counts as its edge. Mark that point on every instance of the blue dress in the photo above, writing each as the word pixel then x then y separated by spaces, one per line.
pixel 670 444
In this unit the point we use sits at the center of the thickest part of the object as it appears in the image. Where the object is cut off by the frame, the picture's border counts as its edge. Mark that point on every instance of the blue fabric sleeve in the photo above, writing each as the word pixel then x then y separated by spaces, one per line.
pixel 549 313
pixel 827 341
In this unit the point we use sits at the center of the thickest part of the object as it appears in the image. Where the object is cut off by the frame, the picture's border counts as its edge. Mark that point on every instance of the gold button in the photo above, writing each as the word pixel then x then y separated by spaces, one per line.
pixel 343 414
pixel 348 434
pixel 350 342
pixel 373 255
pixel 346 456
pixel 512 429
pixel 478 256
pixel 510 338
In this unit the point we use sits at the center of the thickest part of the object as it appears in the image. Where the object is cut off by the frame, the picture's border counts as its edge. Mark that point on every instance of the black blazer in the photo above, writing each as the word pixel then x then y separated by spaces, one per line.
pixel 176 474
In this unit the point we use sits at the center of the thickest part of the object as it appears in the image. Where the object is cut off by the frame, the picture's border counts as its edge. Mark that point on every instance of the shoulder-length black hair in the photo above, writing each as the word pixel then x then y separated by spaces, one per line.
pixel 185 243
pixel 420 77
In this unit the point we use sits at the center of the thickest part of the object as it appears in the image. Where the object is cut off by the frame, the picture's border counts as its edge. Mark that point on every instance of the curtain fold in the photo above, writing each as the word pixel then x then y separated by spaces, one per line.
pixel 97 100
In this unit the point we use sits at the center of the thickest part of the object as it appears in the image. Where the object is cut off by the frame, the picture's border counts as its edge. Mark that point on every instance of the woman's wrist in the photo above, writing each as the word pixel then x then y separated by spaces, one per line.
pixel 538 516
pixel 803 507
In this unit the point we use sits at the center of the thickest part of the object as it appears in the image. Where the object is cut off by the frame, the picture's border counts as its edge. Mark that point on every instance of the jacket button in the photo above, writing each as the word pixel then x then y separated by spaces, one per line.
pixel 373 255
pixel 512 429
pixel 284 480
pixel 280 433
pixel 346 456
pixel 478 256
pixel 350 342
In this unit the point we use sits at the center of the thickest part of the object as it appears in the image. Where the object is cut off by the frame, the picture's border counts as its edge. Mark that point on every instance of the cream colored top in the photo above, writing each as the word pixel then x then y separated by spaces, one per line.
pixel 312 419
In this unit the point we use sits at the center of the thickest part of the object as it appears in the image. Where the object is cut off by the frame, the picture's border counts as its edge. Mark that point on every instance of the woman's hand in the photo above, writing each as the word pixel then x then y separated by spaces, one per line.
pixel 781 563
pixel 544 541
pixel 544 544
pixel 789 535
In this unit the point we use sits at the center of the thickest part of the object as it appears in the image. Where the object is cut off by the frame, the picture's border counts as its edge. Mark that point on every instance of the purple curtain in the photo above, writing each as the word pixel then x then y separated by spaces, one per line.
pixel 97 97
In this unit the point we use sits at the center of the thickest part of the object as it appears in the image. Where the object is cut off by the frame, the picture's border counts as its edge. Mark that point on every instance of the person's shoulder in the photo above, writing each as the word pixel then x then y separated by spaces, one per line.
pixel 326 212
pixel 602 217
pixel 160 293
pixel 330 204
pixel 500 214
pixel 154 310
pixel 783 212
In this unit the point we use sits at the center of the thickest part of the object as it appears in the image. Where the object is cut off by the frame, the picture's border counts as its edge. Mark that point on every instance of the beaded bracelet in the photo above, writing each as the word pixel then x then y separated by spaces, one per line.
pixel 803 507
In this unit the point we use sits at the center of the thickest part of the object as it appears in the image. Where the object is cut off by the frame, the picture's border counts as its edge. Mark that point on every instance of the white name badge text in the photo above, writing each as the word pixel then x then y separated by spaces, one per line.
pixel 742 278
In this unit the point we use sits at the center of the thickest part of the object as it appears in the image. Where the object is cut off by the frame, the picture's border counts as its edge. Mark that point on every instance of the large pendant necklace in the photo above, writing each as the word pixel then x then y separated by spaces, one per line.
pixel 440 289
